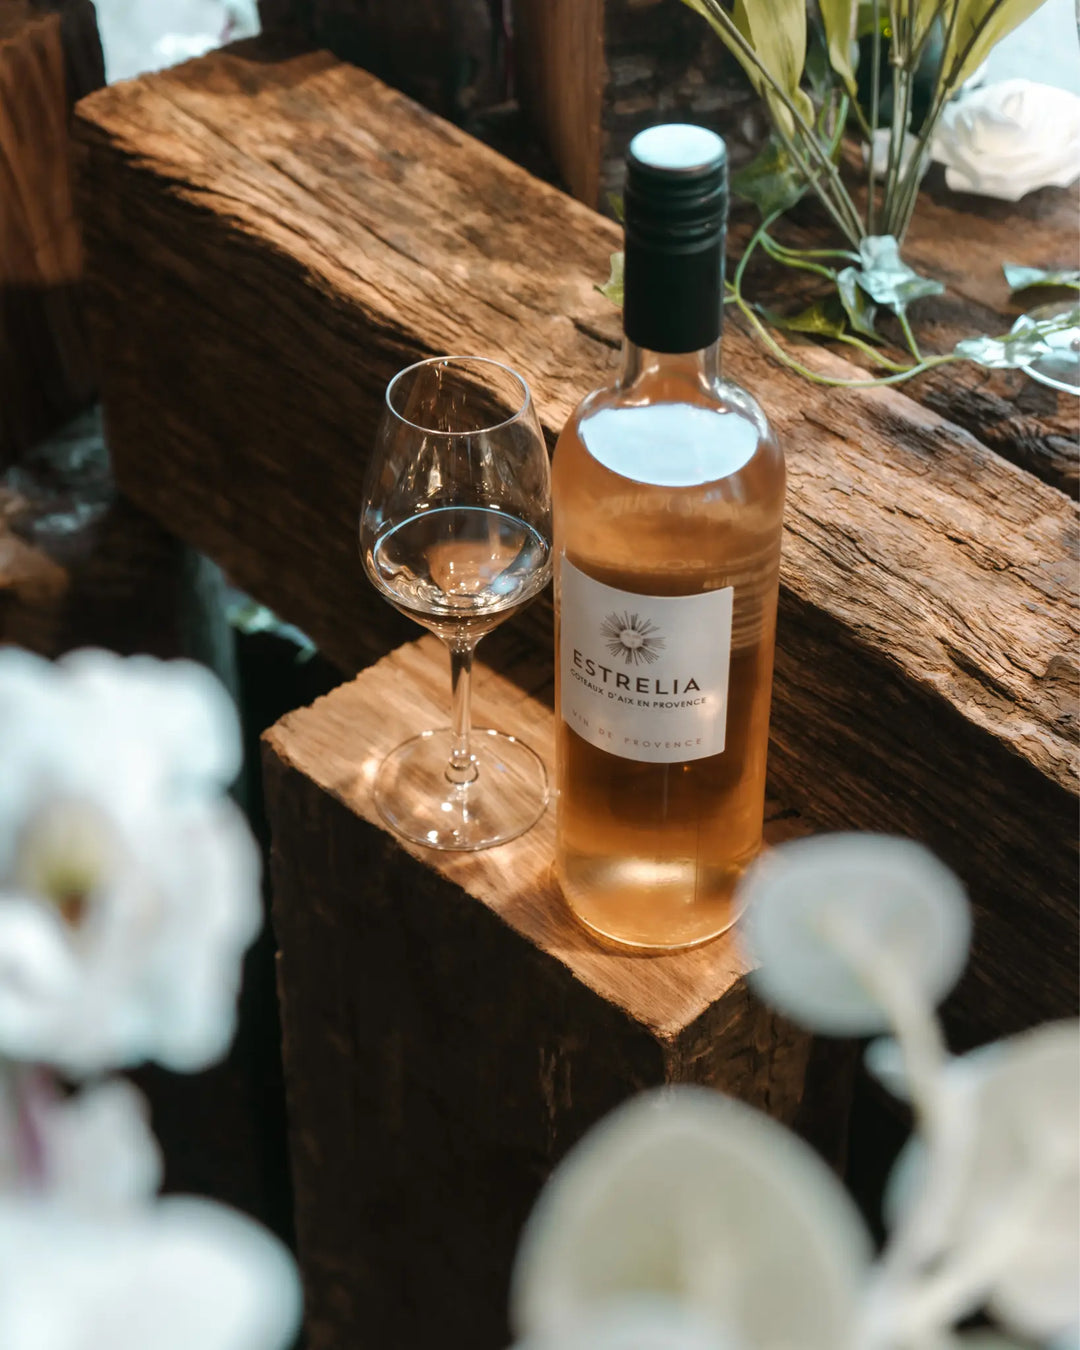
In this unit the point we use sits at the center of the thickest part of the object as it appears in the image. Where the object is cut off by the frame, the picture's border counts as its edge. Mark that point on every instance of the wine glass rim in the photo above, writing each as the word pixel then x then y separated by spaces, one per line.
pixel 526 394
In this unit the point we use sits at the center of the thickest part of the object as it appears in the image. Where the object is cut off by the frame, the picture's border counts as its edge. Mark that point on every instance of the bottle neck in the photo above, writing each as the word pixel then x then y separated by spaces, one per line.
pixel 699 370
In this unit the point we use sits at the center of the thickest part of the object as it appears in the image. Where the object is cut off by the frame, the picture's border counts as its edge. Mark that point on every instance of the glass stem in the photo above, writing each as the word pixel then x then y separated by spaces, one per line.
pixel 461 769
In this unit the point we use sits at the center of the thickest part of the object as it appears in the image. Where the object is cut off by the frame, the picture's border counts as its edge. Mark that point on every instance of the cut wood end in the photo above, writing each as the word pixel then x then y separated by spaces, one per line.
pixel 339 741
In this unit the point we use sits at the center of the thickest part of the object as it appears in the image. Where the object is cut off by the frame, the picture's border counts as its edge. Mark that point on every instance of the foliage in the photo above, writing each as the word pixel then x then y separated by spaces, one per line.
pixel 689 1221
pixel 1022 278
pixel 810 80
pixel 769 38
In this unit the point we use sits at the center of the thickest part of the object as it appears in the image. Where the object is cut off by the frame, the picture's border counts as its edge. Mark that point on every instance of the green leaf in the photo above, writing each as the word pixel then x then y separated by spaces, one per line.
pixel 919 15
pixel 839 17
pixel 886 278
pixel 612 289
pixel 819 74
pixel 1026 343
pixel 776 32
pixel 776 29
pixel 616 206
pixel 772 180
pixel 978 28
pixel 859 308
pixel 824 317
pixel 1022 278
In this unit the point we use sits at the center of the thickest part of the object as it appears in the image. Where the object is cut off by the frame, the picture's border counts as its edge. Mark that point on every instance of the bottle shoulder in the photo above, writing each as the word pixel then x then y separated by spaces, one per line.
pixel 671 434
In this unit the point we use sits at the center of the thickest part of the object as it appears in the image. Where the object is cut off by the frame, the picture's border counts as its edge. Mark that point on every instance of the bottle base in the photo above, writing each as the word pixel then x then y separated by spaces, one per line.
pixel 650 909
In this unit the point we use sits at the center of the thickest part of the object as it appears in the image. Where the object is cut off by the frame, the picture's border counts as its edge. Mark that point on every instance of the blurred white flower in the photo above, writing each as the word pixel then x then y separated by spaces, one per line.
pixel 686 1196
pixel 180 1274
pixel 636 1323
pixel 825 915
pixel 93 1150
pixel 1007 139
pixel 1010 1216
pixel 882 141
pixel 90 1260
pixel 129 882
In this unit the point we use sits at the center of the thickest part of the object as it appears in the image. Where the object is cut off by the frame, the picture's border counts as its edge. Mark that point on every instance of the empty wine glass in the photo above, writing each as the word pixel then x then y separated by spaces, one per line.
pixel 456 533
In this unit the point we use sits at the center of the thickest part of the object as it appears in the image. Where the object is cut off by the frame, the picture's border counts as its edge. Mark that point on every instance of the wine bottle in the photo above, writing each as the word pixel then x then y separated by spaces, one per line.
pixel 668 498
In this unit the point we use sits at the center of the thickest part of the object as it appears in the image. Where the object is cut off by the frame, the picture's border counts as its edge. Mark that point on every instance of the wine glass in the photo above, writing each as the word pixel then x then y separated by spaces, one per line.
pixel 455 532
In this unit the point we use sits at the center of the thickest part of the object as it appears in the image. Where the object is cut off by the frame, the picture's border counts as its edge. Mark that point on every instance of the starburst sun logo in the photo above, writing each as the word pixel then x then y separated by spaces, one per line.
pixel 636 640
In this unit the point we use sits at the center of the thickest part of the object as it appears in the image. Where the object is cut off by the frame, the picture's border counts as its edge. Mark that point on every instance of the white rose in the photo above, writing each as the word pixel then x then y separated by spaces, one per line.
pixel 1007 139
pixel 730 1228
pixel 129 882
pixel 90 1258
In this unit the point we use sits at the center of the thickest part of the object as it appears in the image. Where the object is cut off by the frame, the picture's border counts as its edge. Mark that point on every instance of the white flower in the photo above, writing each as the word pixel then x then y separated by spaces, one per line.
pixel 1007 139
pixel 686 1196
pixel 881 143
pixel 835 919
pixel 129 882
pixel 93 1150
pixel 90 1260
pixel 181 1274
pixel 635 1323
pixel 1010 1215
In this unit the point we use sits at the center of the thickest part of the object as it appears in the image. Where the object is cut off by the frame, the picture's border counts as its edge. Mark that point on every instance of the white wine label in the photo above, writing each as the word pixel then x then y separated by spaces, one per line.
pixel 644 677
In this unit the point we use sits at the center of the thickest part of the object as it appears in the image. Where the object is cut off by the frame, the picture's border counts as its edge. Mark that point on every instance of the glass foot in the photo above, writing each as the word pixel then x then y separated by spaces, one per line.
pixel 417 800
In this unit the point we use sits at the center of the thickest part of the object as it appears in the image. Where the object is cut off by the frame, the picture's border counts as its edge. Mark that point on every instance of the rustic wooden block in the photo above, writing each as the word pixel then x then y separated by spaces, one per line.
pixel 50 55
pixel 270 242
pixel 449 1030
pixel 592 73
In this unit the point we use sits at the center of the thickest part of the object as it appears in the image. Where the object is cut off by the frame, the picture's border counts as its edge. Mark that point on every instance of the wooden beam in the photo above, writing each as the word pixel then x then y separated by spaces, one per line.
pixel 50 55
pixel 269 242
pixel 450 1031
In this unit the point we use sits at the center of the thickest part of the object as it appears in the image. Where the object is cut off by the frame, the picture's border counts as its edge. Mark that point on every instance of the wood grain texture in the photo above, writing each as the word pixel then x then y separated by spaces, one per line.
pixel 559 64
pixel 450 1031
pixel 269 242
pixel 50 55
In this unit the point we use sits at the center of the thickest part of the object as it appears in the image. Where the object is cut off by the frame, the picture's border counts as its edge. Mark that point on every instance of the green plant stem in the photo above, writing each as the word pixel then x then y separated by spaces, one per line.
pixel 842 209
pixel 792 260
pixel 913 178
pixel 909 336
pixel 898 137
pixel 879 357
pixel 890 166
pixel 860 117
pixel 944 91
pixel 786 359
pixel 755 239
pixel 845 253
pixel 875 98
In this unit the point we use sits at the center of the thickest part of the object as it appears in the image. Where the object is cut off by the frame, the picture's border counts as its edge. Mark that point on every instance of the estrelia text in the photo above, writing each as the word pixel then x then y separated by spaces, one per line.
pixel 639 684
